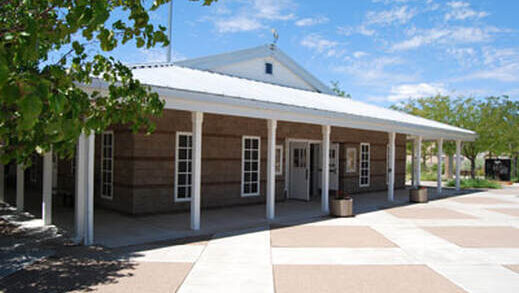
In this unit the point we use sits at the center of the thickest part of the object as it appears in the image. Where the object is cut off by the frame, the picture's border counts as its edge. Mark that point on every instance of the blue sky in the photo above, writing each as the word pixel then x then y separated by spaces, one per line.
pixel 381 51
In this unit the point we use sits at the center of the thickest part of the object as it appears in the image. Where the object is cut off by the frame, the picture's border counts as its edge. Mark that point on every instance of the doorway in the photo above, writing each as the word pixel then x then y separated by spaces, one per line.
pixel 305 169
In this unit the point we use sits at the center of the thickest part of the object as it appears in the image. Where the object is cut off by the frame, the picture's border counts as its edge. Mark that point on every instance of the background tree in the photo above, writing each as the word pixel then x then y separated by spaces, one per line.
pixel 43 107
pixel 462 112
pixel 336 88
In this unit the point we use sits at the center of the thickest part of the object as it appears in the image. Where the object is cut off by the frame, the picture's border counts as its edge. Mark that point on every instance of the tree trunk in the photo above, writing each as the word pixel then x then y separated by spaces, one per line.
pixel 473 168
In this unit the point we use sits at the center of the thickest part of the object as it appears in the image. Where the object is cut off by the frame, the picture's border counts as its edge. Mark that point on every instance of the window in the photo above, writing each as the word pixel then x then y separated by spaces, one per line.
pixel 250 166
pixel 279 160
pixel 268 68
pixel 351 160
pixel 183 157
pixel 364 165
pixel 107 158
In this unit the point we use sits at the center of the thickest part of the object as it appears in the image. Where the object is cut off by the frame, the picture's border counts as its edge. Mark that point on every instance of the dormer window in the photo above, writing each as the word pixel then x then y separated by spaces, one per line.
pixel 268 68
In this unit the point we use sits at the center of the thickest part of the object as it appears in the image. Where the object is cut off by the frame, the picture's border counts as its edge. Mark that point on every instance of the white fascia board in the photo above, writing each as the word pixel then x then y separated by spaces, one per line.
pixel 219 104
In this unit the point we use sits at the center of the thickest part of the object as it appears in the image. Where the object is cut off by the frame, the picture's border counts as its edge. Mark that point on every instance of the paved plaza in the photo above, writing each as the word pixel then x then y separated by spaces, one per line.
pixel 466 243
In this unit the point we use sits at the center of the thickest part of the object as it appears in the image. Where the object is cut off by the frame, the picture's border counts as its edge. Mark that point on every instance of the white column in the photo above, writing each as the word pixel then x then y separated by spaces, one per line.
pixel 197 119
pixel 271 169
pixel 20 184
pixel 2 183
pixel 418 165
pixel 458 164
pixel 391 167
pixel 440 171
pixel 412 164
pixel 89 180
pixel 46 205
pixel 325 147
pixel 81 189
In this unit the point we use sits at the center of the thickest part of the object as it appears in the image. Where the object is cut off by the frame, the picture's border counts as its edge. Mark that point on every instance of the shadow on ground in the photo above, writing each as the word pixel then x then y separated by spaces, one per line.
pixel 35 258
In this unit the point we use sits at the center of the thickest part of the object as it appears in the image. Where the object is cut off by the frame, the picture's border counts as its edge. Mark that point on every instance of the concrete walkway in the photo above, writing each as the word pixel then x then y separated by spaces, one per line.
pixel 459 244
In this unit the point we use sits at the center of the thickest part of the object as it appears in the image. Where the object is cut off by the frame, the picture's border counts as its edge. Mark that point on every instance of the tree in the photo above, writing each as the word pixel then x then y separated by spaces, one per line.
pixel 43 105
pixel 336 88
pixel 461 112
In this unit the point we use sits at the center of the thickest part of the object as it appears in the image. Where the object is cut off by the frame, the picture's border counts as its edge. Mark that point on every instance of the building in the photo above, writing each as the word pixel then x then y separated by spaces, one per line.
pixel 245 127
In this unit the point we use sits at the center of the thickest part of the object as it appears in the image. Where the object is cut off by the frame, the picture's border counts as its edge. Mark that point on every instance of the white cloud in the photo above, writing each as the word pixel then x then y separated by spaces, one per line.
pixel 467 57
pixel 359 54
pixel 449 35
pixel 311 21
pixel 252 15
pixel 350 30
pixel 321 45
pixel 460 10
pixel 504 73
pixel 237 24
pixel 399 15
pixel 273 9
pixel 406 91
pixel 378 72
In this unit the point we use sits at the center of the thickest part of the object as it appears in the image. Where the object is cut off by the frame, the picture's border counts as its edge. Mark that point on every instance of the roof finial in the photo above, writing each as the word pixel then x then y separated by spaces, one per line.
pixel 276 37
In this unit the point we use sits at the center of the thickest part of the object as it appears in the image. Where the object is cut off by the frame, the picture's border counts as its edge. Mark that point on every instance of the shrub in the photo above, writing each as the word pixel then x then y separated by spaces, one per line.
pixel 475 183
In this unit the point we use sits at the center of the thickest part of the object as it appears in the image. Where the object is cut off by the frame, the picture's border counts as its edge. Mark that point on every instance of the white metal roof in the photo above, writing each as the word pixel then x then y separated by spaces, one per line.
pixel 198 90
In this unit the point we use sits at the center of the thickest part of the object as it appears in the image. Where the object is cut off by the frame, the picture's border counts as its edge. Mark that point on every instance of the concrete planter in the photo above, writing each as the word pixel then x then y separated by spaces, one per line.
pixel 418 195
pixel 342 207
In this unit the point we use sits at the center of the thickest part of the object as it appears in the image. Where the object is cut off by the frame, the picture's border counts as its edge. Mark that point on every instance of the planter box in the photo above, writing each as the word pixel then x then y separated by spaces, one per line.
pixel 342 207
pixel 418 195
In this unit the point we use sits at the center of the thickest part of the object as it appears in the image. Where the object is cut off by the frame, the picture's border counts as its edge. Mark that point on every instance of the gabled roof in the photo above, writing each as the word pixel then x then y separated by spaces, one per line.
pixel 197 90
pixel 213 61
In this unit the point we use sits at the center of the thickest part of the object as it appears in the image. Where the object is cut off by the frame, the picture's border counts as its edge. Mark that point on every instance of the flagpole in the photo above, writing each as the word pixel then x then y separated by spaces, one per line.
pixel 170 19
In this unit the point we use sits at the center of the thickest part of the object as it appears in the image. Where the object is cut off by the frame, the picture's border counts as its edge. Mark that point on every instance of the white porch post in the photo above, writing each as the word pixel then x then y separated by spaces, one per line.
pixel 46 208
pixel 458 164
pixel 79 210
pixel 391 167
pixel 2 183
pixel 84 210
pixel 89 203
pixel 418 165
pixel 271 169
pixel 197 119
pixel 440 170
pixel 412 164
pixel 325 147
pixel 20 184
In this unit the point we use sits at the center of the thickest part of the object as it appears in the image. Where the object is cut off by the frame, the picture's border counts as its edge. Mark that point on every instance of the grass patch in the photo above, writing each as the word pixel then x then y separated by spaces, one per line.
pixel 475 183
pixel 428 176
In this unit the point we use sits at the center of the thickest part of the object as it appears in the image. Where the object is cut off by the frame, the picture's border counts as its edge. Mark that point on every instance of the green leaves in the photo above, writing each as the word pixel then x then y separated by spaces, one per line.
pixel 29 108
pixel 44 62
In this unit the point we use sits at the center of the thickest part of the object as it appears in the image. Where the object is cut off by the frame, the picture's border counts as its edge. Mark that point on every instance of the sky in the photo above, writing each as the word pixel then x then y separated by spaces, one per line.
pixel 380 51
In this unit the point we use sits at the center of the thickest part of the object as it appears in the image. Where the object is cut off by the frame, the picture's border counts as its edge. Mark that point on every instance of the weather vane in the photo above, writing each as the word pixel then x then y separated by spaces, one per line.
pixel 275 35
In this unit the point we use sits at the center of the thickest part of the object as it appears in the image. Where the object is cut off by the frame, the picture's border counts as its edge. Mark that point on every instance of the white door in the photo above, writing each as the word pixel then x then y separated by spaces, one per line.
pixel 334 167
pixel 299 168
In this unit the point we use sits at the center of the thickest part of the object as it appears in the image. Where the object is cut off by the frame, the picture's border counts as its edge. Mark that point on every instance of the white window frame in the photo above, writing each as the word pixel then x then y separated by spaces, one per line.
pixel 177 161
pixel 111 183
pixel 243 194
pixel 360 164
pixel 279 148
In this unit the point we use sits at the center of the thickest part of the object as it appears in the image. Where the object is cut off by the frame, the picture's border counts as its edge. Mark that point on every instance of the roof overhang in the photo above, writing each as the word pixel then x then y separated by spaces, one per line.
pixel 180 99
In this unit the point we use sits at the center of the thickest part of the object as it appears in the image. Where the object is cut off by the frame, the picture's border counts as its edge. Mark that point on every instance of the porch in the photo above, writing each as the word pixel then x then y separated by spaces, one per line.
pixel 113 229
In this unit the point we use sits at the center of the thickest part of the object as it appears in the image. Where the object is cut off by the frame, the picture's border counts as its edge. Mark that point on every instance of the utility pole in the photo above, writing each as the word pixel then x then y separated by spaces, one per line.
pixel 170 20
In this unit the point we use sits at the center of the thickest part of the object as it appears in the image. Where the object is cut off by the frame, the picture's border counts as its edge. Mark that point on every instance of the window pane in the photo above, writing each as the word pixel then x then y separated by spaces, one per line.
pixel 182 154
pixel 182 141
pixel 255 144
pixel 247 143
pixel 182 166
